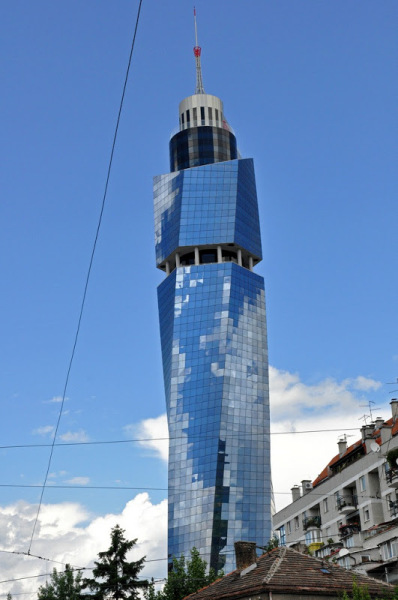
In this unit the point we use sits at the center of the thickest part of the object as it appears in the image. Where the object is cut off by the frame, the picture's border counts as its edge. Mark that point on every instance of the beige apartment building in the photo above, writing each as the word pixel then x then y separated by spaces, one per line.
pixel 349 513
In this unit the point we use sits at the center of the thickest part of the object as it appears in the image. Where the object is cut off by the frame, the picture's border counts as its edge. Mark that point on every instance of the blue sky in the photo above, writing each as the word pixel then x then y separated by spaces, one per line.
pixel 310 90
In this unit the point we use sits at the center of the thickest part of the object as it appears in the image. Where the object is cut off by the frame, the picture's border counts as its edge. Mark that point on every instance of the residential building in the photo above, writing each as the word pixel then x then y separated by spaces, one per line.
pixel 213 337
pixel 349 513
pixel 284 574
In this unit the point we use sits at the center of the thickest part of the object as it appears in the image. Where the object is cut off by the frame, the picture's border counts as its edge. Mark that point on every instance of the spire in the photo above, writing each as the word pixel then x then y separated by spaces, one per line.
pixel 197 52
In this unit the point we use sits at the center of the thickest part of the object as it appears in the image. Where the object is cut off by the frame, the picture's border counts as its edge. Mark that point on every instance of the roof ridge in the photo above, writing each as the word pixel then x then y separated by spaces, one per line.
pixel 275 566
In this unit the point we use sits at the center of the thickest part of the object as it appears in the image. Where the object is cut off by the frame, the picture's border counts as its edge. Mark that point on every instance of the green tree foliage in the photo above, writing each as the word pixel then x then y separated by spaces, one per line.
pixel 392 456
pixel 362 593
pixel 114 576
pixel 186 577
pixel 150 592
pixel 62 586
pixel 273 543
pixel 358 593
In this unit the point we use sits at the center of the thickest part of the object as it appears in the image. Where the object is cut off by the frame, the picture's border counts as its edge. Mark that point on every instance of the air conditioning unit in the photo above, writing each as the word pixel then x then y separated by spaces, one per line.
pixel 308 486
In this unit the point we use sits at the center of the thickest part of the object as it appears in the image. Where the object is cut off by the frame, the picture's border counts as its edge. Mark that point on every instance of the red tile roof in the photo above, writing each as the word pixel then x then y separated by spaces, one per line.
pixel 326 472
pixel 284 570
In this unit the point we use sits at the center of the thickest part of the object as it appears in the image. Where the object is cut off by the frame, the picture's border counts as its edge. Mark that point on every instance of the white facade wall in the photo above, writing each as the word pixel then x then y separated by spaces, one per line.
pixel 359 496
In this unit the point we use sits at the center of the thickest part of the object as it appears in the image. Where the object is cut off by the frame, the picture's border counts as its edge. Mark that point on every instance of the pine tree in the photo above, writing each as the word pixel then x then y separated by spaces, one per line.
pixel 114 576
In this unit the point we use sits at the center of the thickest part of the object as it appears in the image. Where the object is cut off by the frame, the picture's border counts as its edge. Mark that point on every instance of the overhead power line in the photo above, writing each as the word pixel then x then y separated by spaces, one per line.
pixel 168 438
pixel 144 488
pixel 87 276
pixel 41 558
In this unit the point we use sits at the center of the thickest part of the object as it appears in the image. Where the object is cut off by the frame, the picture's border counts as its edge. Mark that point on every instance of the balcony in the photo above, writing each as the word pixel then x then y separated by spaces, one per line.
pixel 313 522
pixel 346 504
pixel 393 506
pixel 349 529
pixel 353 540
pixel 392 477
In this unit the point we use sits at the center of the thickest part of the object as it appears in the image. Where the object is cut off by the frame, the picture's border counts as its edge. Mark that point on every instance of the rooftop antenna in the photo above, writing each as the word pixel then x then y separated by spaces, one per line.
pixel 364 418
pixel 197 52
pixel 369 405
pixel 392 383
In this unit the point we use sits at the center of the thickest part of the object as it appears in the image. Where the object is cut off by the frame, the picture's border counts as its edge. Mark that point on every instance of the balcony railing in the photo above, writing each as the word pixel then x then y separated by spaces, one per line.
pixel 393 506
pixel 392 477
pixel 314 521
pixel 346 503
pixel 349 529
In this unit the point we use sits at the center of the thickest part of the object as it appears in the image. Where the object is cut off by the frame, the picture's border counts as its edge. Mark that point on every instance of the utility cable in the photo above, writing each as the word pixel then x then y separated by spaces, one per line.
pixel 168 438
pixel 87 277
pixel 149 489
pixel 41 558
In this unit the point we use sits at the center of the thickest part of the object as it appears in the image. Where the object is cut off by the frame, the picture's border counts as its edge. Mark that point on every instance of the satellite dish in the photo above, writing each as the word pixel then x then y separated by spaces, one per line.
pixel 374 446
pixel 343 552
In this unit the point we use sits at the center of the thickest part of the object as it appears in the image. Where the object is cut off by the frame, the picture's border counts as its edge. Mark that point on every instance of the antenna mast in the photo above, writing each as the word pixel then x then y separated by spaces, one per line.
pixel 197 52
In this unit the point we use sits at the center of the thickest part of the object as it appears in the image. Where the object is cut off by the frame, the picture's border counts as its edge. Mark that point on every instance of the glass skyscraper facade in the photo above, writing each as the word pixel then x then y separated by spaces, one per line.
pixel 214 340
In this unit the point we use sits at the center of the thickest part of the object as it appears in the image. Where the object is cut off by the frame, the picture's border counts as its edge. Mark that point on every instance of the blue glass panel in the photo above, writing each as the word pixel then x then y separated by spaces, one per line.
pixel 207 205
pixel 213 335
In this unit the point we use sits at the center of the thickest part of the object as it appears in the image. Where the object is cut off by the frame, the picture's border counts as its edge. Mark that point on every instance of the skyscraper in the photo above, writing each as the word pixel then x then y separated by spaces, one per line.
pixel 213 337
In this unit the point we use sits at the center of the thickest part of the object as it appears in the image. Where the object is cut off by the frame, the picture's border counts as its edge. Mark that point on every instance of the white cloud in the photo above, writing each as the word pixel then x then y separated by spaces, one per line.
pixel 66 532
pixel 320 407
pixel 78 481
pixel 45 430
pixel 366 384
pixel 295 406
pixel 74 436
pixel 154 434
pixel 54 400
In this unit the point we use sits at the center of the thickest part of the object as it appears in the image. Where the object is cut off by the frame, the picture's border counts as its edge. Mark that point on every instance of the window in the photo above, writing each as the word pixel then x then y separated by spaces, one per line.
pixel 216 111
pixel 195 116
pixel 312 536
pixel 208 256
pixel 289 527
pixel 210 115
pixel 187 259
pixel 182 118
pixel 202 114
pixel 366 514
pixel 362 483
pixel 389 550
pixel 282 535
pixel 188 117
pixel 296 523
pixel 345 562
pixel 365 558
pixel 325 505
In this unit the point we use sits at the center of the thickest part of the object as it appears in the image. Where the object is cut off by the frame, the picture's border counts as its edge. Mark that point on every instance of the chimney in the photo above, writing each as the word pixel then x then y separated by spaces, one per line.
pixel 306 485
pixel 385 433
pixel 342 444
pixel 296 492
pixel 245 554
pixel 394 408
pixel 367 431
pixel 379 422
